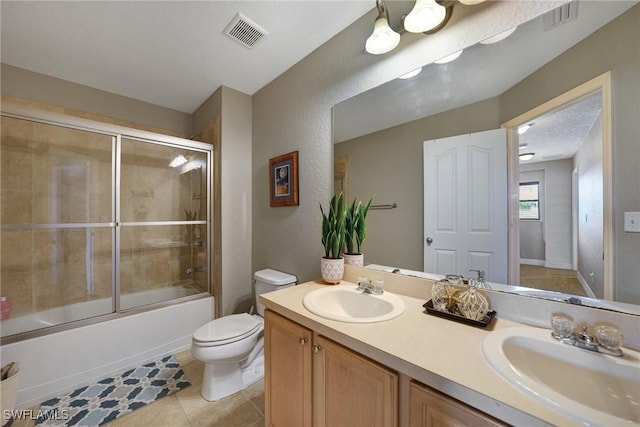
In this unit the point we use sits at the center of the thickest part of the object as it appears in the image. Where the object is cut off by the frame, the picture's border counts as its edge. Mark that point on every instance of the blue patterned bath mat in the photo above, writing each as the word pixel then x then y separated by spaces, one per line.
pixel 110 398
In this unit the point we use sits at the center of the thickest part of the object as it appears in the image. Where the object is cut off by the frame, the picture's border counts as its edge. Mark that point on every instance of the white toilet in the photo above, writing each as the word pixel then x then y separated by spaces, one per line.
pixel 232 347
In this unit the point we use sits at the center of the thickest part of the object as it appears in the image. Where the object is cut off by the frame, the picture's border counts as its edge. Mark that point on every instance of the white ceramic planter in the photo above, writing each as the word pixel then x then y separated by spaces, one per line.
pixel 332 270
pixel 356 260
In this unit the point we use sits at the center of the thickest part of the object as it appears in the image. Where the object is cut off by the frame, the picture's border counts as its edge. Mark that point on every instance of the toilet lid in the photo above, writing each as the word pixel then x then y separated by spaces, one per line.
pixel 227 329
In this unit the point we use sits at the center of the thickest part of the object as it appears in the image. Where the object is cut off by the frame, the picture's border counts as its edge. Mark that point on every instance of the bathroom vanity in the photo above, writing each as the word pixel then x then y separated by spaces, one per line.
pixel 312 380
pixel 413 370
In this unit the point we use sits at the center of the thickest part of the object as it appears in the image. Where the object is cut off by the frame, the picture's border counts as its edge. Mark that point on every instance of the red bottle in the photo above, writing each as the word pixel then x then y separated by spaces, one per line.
pixel 5 308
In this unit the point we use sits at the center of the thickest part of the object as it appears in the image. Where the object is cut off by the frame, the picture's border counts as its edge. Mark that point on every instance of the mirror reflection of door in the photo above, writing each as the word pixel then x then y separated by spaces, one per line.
pixel 561 215
pixel 465 205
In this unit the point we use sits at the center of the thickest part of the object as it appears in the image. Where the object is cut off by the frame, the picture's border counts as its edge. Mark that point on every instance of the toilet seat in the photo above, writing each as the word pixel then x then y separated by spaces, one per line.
pixel 227 329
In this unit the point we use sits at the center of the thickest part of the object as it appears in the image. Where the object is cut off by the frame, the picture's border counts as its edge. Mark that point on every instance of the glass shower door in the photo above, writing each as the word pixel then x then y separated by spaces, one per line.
pixel 58 224
pixel 163 223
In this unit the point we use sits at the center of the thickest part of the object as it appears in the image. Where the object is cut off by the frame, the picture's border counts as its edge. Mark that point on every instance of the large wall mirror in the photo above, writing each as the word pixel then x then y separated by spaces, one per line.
pixel 566 206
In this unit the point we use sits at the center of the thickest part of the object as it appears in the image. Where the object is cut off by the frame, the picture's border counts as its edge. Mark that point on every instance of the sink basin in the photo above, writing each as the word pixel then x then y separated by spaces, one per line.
pixel 588 387
pixel 346 304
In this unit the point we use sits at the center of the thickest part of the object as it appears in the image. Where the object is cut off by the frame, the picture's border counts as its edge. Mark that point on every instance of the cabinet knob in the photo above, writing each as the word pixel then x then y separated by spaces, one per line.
pixel 316 349
pixel 303 341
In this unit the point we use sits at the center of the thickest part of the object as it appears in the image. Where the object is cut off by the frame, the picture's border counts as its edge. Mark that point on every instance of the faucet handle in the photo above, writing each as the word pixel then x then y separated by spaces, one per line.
pixel 609 337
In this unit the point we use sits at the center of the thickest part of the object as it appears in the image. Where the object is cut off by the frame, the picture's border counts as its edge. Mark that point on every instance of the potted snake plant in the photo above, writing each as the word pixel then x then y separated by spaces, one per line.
pixel 333 236
pixel 356 232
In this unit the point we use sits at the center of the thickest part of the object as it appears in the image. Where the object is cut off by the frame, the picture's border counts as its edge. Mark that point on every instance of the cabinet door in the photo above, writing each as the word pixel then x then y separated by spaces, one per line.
pixel 430 408
pixel 351 390
pixel 288 372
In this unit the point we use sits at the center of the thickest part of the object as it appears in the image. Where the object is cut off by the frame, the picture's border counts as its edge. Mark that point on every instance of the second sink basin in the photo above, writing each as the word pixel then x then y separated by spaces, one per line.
pixel 589 387
pixel 346 304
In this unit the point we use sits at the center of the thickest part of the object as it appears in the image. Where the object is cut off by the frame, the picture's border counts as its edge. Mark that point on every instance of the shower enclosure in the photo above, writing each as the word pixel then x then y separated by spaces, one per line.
pixel 98 221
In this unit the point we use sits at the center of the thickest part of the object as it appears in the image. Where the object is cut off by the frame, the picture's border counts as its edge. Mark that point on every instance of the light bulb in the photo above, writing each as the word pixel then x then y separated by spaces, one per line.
pixel 425 16
pixel 383 39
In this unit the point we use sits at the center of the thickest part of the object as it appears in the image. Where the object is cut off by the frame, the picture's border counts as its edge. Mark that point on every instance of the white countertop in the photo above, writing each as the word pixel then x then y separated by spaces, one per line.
pixel 437 352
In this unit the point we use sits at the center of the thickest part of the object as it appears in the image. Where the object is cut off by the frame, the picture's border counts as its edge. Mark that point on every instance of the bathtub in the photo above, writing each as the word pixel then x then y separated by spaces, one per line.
pixel 60 362
pixel 85 310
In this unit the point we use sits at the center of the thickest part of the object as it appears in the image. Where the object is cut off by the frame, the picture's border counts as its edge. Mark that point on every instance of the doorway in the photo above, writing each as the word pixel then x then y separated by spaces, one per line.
pixel 574 210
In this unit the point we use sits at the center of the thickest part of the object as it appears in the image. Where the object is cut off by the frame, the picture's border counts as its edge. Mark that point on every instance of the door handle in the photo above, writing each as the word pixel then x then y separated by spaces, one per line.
pixel 429 241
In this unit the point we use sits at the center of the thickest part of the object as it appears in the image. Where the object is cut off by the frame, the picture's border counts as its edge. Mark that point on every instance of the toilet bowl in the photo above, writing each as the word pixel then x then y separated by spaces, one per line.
pixel 232 347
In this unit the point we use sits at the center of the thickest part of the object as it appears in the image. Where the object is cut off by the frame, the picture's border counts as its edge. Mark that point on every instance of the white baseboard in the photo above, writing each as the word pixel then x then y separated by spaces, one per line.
pixel 559 265
pixel 538 262
pixel 585 286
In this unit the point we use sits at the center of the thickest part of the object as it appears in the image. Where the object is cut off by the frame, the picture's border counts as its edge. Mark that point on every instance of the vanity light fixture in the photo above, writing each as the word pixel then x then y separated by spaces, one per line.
pixel 526 156
pixel 178 161
pixel 425 16
pixel 411 74
pixel 383 39
pixel 449 58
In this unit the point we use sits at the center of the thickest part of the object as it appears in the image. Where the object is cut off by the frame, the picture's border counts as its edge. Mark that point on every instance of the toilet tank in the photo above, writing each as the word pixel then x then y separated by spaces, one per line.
pixel 269 280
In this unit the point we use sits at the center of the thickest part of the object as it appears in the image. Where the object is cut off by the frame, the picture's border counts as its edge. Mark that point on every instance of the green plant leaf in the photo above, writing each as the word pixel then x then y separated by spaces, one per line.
pixel 333 226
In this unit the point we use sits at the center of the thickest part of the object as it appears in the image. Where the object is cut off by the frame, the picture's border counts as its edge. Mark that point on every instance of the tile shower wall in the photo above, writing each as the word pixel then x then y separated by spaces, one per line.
pixel 51 176
pixel 58 218
pixel 156 256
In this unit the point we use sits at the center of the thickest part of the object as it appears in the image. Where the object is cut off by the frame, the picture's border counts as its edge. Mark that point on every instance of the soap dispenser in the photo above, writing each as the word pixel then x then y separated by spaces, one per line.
pixel 480 281
pixel 473 305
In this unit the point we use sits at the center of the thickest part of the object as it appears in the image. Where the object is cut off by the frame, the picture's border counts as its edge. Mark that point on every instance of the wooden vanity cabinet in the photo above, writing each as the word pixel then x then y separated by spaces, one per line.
pixel 430 408
pixel 306 372
pixel 288 372
pixel 351 390
pixel 313 381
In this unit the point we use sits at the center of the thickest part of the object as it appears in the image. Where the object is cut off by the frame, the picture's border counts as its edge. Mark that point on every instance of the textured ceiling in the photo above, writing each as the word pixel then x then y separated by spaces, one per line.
pixel 558 134
pixel 169 53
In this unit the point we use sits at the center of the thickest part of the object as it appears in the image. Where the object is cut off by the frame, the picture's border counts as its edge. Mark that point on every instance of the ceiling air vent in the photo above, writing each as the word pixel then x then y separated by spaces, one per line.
pixel 245 31
pixel 561 15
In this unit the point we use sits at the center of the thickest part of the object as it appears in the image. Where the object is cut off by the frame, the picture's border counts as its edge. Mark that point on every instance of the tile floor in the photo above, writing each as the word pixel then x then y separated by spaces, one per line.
pixel 187 408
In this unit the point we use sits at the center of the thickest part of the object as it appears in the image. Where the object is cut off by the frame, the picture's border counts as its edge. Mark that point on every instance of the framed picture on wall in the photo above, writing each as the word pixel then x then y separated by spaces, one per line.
pixel 283 180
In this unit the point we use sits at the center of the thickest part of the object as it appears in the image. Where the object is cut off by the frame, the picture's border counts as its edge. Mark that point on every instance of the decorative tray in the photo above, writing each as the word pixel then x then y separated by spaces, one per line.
pixel 483 323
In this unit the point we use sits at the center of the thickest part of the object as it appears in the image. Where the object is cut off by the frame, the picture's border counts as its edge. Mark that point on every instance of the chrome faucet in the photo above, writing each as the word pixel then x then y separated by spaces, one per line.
pixel 583 339
pixel 367 287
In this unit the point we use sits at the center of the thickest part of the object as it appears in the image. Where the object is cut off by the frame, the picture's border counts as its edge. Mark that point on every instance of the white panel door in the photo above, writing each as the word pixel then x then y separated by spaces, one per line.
pixel 465 204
